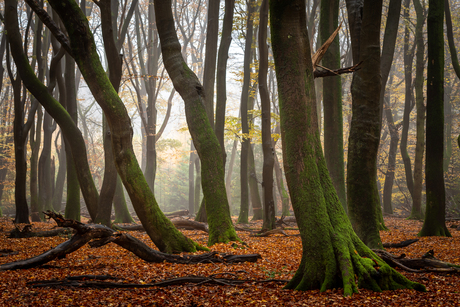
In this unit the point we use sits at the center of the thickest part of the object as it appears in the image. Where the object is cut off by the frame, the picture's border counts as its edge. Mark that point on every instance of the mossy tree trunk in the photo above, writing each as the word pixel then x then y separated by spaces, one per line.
pixel 205 141
pixel 416 211
pixel 333 256
pixel 362 194
pixel 435 224
pixel 332 100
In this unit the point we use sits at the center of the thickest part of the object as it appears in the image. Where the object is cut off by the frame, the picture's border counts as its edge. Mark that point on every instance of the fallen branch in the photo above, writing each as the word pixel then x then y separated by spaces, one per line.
pixel 270 233
pixel 418 265
pixel 99 235
pixel 181 223
pixel 400 244
pixel 325 72
pixel 82 281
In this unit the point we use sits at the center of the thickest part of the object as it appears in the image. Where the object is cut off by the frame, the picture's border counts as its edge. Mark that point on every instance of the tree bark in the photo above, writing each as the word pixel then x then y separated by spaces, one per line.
pixel 332 253
pixel 208 148
pixel 268 150
pixel 245 142
pixel 435 224
pixel 332 101
pixel 362 194
pixel 416 212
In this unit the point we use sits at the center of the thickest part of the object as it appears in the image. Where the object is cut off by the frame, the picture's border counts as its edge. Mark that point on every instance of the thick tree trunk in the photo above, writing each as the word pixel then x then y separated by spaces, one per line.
pixel 362 195
pixel 332 255
pixel 435 224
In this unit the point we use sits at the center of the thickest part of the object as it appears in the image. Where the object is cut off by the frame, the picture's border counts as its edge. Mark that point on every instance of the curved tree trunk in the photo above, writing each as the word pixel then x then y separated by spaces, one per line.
pixel 333 256
pixel 208 148
pixel 158 227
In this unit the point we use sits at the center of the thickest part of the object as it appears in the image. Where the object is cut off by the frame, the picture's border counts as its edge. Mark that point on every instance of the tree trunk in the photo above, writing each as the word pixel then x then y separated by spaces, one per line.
pixel 435 224
pixel 221 78
pixel 408 63
pixel 254 186
pixel 332 253
pixel 245 143
pixel 160 230
pixel 362 195
pixel 268 150
pixel 390 174
pixel 332 101
pixel 209 74
pixel 208 148
pixel 122 214
pixel 60 177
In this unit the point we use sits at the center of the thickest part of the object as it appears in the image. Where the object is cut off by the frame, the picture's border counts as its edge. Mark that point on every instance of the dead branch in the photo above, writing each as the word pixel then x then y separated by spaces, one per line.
pixel 325 72
pixel 400 244
pixel 95 281
pixel 270 233
pixel 418 265
pixel 179 223
pixel 99 235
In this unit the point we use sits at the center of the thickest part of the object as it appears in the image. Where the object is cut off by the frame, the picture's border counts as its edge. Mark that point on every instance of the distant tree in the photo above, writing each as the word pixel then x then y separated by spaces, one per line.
pixel 416 211
pixel 268 150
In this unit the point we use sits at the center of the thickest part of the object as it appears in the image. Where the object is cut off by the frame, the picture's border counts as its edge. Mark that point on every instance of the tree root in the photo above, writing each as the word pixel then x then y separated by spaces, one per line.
pixel 99 235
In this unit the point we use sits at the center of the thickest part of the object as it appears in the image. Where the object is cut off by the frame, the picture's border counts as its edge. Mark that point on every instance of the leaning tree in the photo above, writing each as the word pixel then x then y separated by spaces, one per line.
pixel 333 255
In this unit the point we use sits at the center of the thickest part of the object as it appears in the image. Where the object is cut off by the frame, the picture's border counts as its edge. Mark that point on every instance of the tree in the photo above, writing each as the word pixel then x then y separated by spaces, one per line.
pixel 435 224
pixel 82 46
pixel 245 143
pixel 362 194
pixel 416 212
pixel 206 143
pixel 332 100
pixel 268 150
pixel 332 254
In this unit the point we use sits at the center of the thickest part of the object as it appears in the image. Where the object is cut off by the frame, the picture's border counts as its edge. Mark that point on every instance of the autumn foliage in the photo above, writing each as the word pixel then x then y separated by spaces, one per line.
pixel 266 278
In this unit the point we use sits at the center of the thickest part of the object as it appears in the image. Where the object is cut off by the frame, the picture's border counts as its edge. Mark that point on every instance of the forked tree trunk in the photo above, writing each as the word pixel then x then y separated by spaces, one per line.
pixel 333 256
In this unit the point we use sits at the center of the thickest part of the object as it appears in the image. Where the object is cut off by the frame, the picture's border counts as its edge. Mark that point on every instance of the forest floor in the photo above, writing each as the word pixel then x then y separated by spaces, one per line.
pixel 280 259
